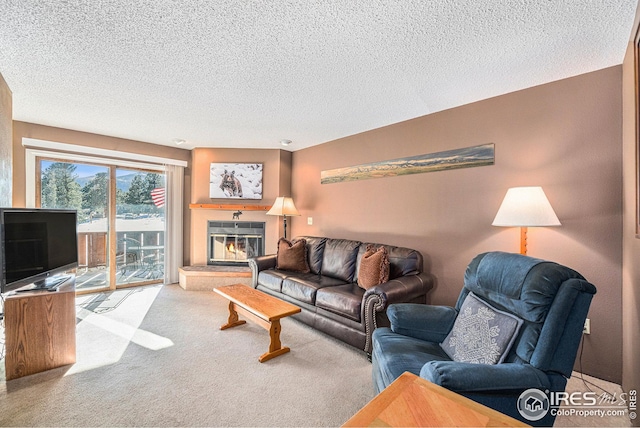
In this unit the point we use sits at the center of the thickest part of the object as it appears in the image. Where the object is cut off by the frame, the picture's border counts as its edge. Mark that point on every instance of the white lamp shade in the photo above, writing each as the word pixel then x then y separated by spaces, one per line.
pixel 283 206
pixel 525 207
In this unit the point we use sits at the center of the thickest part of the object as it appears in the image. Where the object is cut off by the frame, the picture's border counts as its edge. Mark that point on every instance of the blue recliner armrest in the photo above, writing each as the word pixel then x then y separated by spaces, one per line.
pixel 426 322
pixel 468 377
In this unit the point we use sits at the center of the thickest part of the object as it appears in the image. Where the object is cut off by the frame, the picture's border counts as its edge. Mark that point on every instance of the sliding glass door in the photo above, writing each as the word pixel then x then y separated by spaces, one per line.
pixel 85 188
pixel 140 226
pixel 121 220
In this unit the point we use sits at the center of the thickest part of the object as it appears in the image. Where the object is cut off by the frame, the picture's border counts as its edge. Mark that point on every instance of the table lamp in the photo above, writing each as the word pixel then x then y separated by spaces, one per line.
pixel 283 206
pixel 525 207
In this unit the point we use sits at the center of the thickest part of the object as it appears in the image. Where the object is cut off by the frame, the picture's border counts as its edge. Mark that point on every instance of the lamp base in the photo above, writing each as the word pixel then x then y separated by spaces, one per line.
pixel 285 226
pixel 523 240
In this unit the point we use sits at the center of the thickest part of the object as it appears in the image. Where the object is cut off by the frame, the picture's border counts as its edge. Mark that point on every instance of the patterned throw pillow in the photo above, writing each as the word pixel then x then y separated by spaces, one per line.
pixel 374 267
pixel 292 255
pixel 481 333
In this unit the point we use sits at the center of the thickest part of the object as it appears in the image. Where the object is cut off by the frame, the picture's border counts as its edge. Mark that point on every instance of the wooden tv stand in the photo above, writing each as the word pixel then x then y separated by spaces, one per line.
pixel 40 330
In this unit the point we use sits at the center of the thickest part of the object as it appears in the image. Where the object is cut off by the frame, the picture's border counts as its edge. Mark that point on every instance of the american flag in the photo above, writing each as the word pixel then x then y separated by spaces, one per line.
pixel 157 195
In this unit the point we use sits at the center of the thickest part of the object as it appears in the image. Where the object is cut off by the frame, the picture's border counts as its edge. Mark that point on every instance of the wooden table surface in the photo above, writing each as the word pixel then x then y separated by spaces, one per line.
pixel 261 308
pixel 411 401
pixel 267 307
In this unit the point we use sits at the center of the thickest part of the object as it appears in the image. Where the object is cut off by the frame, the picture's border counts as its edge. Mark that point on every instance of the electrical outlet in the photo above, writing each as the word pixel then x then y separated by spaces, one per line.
pixel 309 220
pixel 587 326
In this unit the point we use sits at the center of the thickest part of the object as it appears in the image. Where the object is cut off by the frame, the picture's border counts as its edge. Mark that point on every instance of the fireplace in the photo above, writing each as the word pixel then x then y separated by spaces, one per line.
pixel 233 242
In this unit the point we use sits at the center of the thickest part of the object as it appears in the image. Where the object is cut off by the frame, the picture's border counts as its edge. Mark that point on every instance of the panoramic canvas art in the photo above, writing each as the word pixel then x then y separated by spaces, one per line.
pixel 450 159
pixel 235 180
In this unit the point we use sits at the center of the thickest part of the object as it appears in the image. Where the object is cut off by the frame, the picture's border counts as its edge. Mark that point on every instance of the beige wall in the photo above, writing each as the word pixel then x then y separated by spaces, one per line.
pixel 6 117
pixel 631 243
pixel 564 136
pixel 276 182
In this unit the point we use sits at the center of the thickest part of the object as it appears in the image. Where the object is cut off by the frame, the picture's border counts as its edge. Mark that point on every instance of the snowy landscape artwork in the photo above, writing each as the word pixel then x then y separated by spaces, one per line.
pixel 235 180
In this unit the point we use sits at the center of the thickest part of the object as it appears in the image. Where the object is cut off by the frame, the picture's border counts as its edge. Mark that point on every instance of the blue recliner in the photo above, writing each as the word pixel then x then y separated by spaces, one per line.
pixel 517 325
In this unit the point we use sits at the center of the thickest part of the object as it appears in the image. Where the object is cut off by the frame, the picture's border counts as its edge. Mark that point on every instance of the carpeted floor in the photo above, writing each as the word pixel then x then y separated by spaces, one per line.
pixel 155 356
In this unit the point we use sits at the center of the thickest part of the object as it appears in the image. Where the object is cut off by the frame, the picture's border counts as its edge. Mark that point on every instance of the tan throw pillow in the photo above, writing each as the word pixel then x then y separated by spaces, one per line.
pixel 292 255
pixel 374 267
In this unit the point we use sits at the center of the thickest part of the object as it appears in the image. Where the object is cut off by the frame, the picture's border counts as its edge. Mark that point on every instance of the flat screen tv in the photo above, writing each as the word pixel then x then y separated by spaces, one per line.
pixel 35 245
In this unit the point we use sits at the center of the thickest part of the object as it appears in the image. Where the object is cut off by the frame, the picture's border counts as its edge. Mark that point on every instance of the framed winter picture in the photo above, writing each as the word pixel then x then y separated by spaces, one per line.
pixel 235 180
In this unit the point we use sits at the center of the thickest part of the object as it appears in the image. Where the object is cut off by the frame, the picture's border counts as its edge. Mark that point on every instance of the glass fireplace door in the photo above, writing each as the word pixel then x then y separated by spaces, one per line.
pixel 234 248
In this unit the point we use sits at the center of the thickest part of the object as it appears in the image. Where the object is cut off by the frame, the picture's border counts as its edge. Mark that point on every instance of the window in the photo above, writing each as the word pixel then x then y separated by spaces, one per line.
pixel 126 215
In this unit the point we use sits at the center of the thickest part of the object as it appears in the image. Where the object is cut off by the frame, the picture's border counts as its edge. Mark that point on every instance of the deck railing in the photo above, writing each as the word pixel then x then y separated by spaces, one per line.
pixel 131 247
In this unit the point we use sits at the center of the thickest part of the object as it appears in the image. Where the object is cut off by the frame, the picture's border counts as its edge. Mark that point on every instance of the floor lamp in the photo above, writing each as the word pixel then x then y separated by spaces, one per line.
pixel 525 207
pixel 283 206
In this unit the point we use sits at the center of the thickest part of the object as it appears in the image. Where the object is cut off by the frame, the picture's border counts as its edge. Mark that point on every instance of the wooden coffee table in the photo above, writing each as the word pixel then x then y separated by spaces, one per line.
pixel 262 309
pixel 411 401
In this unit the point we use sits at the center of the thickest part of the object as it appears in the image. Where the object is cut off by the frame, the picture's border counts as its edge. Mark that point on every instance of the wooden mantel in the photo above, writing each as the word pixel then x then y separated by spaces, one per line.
pixel 230 207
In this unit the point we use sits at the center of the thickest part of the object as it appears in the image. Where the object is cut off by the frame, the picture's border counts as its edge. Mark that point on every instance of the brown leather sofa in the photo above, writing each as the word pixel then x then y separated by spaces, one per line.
pixel 331 300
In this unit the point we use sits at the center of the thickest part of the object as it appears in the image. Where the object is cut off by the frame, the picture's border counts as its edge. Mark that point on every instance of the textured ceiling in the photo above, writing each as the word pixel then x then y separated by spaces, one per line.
pixel 242 73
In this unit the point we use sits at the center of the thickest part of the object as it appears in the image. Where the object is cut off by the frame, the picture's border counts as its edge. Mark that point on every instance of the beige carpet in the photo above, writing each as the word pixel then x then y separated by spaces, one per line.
pixel 155 356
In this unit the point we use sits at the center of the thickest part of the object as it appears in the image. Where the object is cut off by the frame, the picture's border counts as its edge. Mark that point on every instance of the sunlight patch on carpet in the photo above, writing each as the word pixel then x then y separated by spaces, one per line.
pixel 102 337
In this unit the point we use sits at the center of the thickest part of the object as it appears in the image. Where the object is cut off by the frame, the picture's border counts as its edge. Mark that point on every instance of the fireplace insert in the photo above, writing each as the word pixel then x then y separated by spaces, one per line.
pixel 234 242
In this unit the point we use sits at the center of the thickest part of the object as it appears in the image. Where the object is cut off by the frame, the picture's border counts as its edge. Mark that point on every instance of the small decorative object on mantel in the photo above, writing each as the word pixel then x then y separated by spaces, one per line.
pixel 450 159
pixel 236 215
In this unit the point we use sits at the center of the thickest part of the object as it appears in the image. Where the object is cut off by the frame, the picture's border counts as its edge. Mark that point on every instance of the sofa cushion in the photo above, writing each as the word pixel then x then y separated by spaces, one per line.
pixel 345 300
pixel 303 287
pixel 394 354
pixel 272 279
pixel 402 261
pixel 340 257
pixel 315 251
pixel 374 267
pixel 292 256
pixel 481 334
